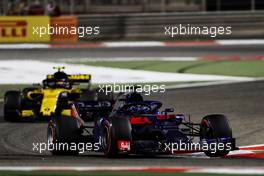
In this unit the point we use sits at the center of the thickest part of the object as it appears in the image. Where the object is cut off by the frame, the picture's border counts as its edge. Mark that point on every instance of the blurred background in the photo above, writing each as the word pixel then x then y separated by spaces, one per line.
pixel 145 19
pixel 19 7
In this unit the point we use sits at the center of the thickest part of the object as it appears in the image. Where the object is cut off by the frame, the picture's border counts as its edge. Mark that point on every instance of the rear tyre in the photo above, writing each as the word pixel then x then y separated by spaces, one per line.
pixel 63 133
pixel 214 127
pixel 119 130
pixel 12 106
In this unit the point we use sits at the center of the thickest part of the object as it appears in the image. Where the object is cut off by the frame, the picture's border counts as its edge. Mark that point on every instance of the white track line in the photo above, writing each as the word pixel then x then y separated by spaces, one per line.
pixel 137 44
pixel 1 100
pixel 133 44
pixel 207 84
pixel 249 146
pixel 24 46
pixel 234 170
pixel 241 42
pixel 128 59
pixel 54 168
pixel 34 71
pixel 220 170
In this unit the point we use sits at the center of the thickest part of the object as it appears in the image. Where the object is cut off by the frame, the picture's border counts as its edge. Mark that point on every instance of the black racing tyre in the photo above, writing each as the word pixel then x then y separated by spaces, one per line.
pixel 12 106
pixel 119 130
pixel 214 127
pixel 63 134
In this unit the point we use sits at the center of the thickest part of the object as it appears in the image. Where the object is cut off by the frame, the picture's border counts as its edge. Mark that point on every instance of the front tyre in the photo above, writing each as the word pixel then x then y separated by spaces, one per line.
pixel 12 106
pixel 215 129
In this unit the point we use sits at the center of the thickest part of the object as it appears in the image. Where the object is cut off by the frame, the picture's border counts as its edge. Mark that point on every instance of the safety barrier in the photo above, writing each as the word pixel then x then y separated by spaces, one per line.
pixel 21 29
pixel 151 26
pixel 126 27
pixel 38 29
pixel 64 29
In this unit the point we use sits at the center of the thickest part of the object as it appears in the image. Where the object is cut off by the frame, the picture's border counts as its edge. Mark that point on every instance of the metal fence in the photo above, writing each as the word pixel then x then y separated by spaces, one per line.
pixel 141 6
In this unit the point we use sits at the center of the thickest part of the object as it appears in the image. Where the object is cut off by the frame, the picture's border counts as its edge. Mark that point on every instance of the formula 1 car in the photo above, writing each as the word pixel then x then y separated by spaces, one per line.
pixel 132 125
pixel 46 100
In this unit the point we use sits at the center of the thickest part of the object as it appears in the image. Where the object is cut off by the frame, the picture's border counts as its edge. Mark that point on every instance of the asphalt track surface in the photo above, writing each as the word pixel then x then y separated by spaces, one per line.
pixel 179 51
pixel 242 103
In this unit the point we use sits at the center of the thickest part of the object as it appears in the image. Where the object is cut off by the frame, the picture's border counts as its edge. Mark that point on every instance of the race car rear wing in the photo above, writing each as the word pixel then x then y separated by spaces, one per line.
pixel 87 109
pixel 80 78
pixel 92 106
pixel 75 78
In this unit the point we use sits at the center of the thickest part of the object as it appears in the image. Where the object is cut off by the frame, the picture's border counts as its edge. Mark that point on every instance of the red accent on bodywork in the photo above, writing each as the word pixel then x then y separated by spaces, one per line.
pixel 139 120
pixel 165 117
pixel 123 145
pixel 204 121
pixel 75 115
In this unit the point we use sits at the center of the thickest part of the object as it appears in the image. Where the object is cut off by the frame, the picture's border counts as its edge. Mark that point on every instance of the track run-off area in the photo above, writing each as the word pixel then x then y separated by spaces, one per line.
pixel 242 103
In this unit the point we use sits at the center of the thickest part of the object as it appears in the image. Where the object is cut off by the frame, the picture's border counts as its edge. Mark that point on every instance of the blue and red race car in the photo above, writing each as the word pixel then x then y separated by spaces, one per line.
pixel 132 125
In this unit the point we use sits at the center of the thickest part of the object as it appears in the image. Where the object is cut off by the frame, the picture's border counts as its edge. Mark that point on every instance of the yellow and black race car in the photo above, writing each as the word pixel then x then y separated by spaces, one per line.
pixel 46 100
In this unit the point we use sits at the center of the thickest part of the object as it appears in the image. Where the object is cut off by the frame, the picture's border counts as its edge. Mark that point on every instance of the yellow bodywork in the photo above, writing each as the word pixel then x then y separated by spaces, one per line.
pixel 66 112
pixel 27 113
pixel 79 77
pixel 49 96
pixel 49 100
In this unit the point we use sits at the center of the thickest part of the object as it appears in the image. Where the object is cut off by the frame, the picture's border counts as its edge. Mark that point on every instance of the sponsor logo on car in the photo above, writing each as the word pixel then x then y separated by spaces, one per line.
pixel 124 145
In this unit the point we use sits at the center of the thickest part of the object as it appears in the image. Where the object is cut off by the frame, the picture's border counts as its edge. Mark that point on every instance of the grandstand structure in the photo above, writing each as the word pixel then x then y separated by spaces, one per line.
pixel 131 6
pixel 144 6
pixel 2 10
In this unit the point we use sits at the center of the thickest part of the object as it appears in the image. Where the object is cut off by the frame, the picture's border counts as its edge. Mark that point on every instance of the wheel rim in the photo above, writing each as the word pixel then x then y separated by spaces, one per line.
pixel 105 140
pixel 205 128
pixel 51 136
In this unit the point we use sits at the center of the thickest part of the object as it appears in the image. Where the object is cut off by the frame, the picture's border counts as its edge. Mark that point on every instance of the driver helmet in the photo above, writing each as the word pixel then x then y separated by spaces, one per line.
pixel 61 79
pixel 134 97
